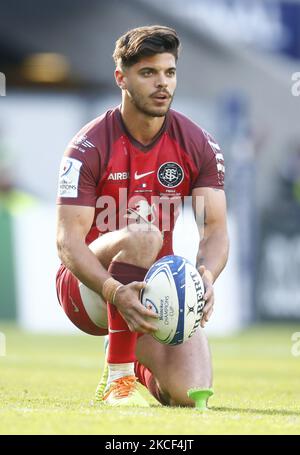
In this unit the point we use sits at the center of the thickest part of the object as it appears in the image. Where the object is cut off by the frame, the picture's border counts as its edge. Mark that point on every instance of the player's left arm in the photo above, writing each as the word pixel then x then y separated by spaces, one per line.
pixel 209 205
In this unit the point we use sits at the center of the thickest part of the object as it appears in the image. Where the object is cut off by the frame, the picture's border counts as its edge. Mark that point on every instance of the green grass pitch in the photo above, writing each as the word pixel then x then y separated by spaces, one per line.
pixel 47 384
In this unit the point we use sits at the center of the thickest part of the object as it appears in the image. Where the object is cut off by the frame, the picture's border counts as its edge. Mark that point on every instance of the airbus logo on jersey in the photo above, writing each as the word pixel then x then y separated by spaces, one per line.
pixel 116 176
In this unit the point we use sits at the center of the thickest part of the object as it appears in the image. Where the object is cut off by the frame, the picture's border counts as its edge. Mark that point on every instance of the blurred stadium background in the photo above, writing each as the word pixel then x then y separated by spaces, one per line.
pixel 234 79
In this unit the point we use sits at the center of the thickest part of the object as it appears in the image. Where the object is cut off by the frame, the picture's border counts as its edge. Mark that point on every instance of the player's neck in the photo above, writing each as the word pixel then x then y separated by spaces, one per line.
pixel 141 126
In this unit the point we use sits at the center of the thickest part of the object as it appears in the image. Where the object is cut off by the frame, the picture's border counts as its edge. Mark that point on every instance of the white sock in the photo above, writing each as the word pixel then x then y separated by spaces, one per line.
pixel 119 370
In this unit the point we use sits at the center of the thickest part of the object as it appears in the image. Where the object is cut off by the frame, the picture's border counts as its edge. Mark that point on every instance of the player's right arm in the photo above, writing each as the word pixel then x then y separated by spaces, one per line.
pixel 73 224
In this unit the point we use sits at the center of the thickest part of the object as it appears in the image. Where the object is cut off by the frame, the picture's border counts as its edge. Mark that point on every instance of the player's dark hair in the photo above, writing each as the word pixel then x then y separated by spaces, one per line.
pixel 144 42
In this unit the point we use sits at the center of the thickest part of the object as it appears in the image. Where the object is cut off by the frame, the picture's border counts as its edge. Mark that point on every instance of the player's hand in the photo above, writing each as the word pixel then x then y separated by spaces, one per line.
pixel 137 317
pixel 207 278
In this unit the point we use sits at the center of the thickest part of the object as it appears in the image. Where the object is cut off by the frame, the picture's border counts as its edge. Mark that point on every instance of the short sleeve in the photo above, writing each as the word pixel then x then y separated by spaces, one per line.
pixel 212 169
pixel 78 176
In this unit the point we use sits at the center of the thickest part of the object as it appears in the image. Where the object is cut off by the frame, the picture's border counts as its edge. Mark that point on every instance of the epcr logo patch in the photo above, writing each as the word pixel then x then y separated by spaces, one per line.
pixel 170 174
pixel 151 305
pixel 66 168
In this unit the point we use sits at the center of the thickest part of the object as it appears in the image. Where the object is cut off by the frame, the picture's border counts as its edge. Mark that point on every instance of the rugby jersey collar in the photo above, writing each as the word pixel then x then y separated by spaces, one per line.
pixel 137 144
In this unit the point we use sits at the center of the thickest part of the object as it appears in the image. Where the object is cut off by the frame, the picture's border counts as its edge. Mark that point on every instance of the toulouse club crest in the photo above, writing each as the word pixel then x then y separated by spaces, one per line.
pixel 170 174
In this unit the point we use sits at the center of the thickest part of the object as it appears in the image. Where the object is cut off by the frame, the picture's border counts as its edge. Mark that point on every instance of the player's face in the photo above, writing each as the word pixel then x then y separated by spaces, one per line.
pixel 150 84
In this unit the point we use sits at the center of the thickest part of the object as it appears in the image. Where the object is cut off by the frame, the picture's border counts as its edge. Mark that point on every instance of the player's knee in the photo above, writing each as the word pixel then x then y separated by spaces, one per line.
pixel 147 243
pixel 177 395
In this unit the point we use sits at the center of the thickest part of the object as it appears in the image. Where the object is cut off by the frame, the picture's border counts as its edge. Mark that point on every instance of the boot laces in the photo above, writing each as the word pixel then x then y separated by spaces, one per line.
pixel 122 387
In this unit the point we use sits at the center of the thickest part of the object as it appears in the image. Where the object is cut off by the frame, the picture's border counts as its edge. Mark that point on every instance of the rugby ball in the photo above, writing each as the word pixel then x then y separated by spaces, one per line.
pixel 175 292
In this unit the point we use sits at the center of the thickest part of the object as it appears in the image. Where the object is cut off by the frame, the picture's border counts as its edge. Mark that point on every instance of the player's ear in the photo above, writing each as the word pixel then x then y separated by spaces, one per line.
pixel 120 78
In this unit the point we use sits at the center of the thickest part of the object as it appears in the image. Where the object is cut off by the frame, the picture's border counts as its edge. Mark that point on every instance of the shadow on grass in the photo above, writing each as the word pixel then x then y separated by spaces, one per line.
pixel 279 412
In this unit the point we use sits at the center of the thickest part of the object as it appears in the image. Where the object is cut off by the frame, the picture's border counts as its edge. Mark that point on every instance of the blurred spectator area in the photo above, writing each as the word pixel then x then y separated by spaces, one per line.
pixel 64 48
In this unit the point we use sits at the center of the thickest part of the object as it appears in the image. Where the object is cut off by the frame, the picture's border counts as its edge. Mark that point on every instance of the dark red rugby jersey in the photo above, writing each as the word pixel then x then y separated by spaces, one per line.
pixel 106 168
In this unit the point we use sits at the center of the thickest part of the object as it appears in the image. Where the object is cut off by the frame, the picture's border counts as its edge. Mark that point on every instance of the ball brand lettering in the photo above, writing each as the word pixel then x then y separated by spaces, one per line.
pixel 161 310
pixel 164 310
pixel 200 302
pixel 198 287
